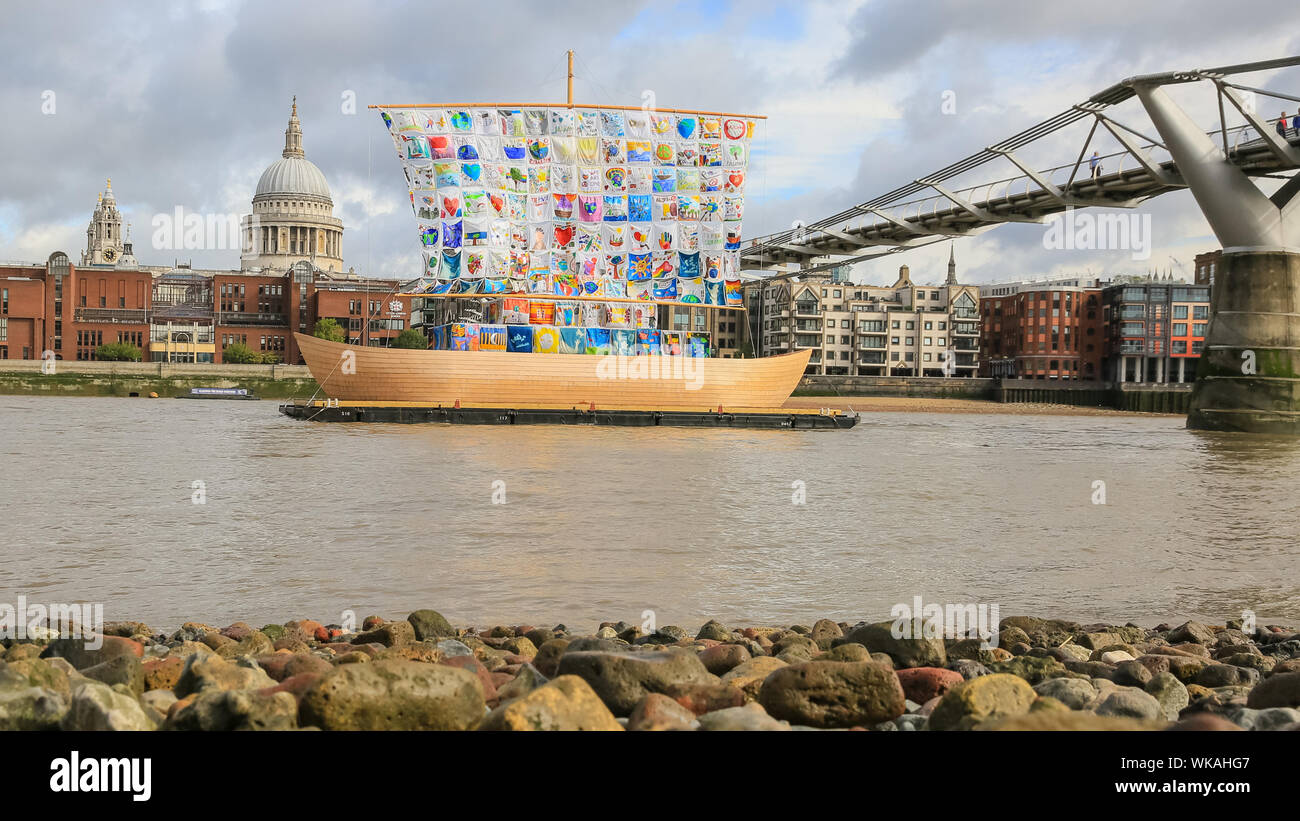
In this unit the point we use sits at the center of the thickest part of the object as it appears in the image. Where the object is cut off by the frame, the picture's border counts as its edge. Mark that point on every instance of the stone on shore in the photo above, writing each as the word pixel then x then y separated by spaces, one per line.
pixel 1074 693
pixel 748 677
pixel 920 684
pixel 824 632
pixel 1170 693
pixel 31 708
pixel 705 698
pixel 995 696
pixel 1191 631
pixel 125 669
pixel 750 717
pixel 280 666
pixel 1204 722
pixel 80 656
pixel 526 679
pixel 833 694
pixel 623 679
pixel 714 630
pixel 1278 690
pixel 389 634
pixel 661 713
pixel 97 706
pixel 547 660
pixel 429 624
pixel 1033 669
pixel 722 658
pixel 1129 702
pixel 394 695
pixel 224 710
pixel 28 670
pixel 565 703
pixel 1068 721
pixel 215 673
pixel 914 650
pixel 850 652
pixel 1270 718
pixel 163 673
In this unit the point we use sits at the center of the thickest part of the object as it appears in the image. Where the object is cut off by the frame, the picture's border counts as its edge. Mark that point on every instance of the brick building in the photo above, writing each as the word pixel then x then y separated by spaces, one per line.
pixel 1045 329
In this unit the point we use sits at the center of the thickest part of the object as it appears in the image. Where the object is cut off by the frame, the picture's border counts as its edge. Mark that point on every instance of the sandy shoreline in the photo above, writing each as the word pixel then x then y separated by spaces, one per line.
pixel 926 404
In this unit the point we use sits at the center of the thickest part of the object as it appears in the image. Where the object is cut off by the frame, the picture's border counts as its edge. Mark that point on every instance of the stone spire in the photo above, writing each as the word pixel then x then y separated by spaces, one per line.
pixel 952 266
pixel 293 134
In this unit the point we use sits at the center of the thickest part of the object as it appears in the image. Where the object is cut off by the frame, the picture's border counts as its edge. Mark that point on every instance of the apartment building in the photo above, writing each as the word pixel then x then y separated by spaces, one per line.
pixel 1155 329
pixel 903 329
pixel 1042 329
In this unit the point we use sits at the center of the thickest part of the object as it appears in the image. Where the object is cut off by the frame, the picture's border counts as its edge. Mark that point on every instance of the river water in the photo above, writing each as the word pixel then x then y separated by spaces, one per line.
pixel 545 525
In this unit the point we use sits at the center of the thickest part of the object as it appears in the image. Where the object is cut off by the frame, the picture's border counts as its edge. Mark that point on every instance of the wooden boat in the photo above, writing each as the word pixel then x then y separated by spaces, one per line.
pixel 544 380
pixel 592 218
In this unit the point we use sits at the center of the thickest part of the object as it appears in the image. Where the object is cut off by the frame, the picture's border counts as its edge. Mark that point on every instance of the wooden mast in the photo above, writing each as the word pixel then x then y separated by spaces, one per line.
pixel 570 78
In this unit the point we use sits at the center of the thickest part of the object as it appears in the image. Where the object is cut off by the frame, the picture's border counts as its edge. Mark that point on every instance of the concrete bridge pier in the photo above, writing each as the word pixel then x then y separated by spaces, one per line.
pixel 1248 378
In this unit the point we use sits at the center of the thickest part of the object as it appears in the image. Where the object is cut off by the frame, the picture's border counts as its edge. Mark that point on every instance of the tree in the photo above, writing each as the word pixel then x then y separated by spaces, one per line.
pixel 240 354
pixel 411 338
pixel 118 352
pixel 328 329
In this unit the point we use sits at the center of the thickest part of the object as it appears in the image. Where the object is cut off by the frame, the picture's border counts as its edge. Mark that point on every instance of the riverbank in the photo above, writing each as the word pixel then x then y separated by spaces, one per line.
pixel 25 378
pixel 927 404
pixel 421 673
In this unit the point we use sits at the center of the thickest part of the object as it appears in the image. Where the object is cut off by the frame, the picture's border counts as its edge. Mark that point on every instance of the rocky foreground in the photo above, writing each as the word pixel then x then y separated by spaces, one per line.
pixel 421 673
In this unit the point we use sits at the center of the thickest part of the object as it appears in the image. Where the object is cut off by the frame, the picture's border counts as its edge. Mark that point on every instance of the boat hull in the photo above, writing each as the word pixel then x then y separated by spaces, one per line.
pixel 540 380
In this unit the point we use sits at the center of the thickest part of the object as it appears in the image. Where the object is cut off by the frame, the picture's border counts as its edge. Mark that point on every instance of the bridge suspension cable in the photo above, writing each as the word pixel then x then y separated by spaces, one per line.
pixel 926 210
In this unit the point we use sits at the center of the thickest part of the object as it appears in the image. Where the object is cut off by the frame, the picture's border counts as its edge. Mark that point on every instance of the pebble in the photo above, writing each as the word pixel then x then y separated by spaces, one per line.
pixel 423 673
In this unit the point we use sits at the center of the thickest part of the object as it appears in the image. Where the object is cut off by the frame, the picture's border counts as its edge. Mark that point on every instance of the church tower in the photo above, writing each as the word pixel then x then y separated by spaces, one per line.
pixel 952 267
pixel 104 241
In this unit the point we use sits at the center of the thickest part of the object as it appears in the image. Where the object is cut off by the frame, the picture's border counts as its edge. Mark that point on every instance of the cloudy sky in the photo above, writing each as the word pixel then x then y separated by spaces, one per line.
pixel 185 103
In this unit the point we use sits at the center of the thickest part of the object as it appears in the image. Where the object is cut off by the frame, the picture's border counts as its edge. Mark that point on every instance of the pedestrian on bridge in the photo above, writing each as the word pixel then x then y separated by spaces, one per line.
pixel 1295 124
pixel 1095 165
pixel 1281 124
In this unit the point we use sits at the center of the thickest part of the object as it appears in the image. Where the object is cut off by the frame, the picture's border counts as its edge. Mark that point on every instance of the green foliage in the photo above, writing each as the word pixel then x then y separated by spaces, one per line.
pixel 411 338
pixel 118 352
pixel 240 354
pixel 328 329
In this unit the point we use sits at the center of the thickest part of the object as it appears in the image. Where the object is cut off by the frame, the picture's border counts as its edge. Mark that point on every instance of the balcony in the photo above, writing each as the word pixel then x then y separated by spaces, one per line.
pixel 871 342
pixel 112 316
pixel 807 309
pixel 238 318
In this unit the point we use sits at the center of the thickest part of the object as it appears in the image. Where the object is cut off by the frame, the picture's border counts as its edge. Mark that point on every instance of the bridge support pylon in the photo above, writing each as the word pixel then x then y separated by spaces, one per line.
pixel 1248 377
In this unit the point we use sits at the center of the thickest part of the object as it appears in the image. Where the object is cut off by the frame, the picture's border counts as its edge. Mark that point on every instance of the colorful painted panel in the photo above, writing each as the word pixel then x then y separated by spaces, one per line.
pixel 584 200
